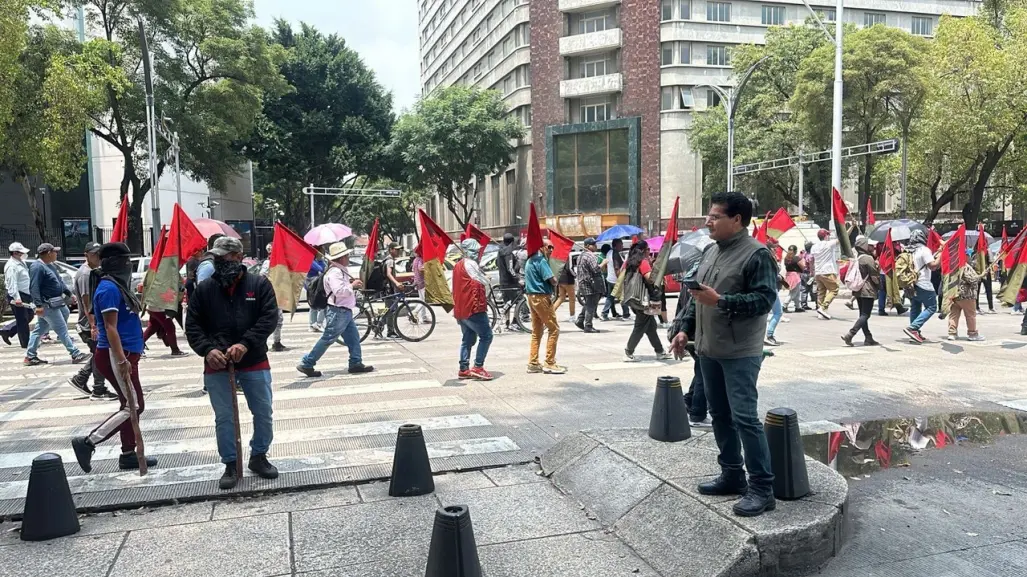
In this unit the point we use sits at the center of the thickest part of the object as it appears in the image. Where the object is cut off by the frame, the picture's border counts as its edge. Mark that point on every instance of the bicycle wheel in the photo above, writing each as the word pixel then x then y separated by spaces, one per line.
pixel 523 315
pixel 362 322
pixel 414 320
pixel 494 314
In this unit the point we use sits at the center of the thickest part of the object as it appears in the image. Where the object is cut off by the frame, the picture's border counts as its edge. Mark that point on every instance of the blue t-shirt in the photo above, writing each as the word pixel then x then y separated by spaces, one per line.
pixel 536 276
pixel 108 298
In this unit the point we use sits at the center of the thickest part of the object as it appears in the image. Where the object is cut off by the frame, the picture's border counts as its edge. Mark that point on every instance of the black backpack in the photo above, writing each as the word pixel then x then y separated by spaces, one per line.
pixel 317 296
pixel 377 280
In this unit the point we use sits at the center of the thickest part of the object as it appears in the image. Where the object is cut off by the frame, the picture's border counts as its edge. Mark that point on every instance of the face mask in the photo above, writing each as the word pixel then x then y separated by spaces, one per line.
pixel 118 267
pixel 226 272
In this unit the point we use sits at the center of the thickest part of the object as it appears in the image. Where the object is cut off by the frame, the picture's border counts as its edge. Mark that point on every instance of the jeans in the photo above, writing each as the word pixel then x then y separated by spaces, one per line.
pixel 278 328
pixel 475 328
pixel 317 316
pixel 338 322
pixel 732 397
pixel 256 385
pixel 922 306
pixel 56 319
pixel 588 311
pixel 644 325
pixel 543 318
pixel 775 318
pixel 866 308
pixel 695 398
pixel 804 289
pixel 90 368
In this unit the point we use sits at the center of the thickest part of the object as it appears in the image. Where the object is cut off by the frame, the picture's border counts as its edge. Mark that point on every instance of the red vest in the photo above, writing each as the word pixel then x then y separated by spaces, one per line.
pixel 468 294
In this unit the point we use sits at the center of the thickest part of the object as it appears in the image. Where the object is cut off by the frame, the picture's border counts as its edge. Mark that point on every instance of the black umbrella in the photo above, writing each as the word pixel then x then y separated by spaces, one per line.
pixel 900 229
pixel 688 250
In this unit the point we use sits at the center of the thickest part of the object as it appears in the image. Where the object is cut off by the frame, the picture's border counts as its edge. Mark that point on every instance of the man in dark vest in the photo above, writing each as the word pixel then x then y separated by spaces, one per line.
pixel 737 287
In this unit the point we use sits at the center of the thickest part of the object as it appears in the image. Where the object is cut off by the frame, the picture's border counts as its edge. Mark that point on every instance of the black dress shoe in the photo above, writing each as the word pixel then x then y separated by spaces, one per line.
pixel 1023 331
pixel 754 503
pixel 229 479
pixel 263 469
pixel 725 485
pixel 591 330
pixel 6 337
pixel 308 371
pixel 131 462
pixel 279 348
pixel 361 368
pixel 83 452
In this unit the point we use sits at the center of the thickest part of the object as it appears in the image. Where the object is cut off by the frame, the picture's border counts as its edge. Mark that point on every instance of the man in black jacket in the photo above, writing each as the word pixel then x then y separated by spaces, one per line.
pixel 231 315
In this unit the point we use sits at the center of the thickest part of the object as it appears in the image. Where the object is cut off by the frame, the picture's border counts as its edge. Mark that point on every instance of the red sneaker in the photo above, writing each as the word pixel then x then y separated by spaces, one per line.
pixel 481 374
pixel 465 374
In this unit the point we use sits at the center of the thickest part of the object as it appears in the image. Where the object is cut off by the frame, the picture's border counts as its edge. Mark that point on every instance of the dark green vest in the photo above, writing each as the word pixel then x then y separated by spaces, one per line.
pixel 717 334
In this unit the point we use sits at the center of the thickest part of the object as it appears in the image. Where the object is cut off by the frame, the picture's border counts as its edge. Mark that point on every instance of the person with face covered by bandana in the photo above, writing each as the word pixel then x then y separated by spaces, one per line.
pixel 119 345
pixel 231 316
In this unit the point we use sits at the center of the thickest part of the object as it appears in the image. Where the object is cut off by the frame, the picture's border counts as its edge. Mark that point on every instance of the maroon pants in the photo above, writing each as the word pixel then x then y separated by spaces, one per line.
pixel 164 328
pixel 119 422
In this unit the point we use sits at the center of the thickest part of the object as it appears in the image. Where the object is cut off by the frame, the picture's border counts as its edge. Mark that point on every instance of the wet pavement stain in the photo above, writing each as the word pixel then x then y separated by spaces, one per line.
pixel 868 446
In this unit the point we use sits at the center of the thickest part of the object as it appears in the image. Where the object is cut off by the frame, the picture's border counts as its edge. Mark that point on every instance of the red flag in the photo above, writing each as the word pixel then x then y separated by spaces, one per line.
pixel 934 240
pixel 159 251
pixel 1005 239
pixel 761 232
pixel 290 261
pixel 670 238
pixel 982 240
pixel 870 214
pixel 434 242
pixel 478 235
pixel 120 232
pixel 184 240
pixel 839 210
pixel 887 260
pixel 1014 248
pixel 780 223
pixel 953 256
pixel 369 253
pixel 561 247
pixel 534 232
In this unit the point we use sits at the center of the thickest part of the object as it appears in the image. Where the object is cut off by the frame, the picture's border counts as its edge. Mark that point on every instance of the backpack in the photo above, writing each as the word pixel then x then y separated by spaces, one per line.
pixel 854 278
pixel 377 280
pixel 905 271
pixel 317 296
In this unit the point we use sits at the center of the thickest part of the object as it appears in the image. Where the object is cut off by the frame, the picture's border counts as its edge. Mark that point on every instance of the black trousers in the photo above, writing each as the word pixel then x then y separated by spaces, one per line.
pixel 986 281
pixel 644 325
pixel 23 318
pixel 588 311
pixel 866 308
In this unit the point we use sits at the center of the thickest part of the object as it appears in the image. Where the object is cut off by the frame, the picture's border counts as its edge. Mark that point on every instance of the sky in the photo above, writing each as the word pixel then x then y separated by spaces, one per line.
pixel 383 32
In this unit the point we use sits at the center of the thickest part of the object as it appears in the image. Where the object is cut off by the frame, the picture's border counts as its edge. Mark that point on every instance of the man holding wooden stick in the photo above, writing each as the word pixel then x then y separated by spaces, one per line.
pixel 119 345
pixel 231 315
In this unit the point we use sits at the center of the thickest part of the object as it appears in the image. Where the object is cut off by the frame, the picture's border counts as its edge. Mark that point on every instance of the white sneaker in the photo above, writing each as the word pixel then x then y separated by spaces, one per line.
pixel 572 319
pixel 664 356
pixel 785 319
pixel 975 338
pixel 952 338
pixel 823 314
pixel 629 358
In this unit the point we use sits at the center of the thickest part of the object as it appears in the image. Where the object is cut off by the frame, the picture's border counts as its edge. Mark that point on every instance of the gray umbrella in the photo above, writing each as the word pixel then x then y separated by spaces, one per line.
pixel 900 229
pixel 688 250
pixel 971 238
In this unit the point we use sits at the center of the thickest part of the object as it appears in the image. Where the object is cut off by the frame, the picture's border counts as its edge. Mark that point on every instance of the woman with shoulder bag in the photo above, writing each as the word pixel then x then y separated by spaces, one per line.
pixel 646 305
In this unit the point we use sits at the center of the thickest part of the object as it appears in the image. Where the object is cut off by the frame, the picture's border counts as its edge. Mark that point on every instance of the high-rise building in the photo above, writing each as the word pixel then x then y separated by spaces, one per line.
pixel 606 90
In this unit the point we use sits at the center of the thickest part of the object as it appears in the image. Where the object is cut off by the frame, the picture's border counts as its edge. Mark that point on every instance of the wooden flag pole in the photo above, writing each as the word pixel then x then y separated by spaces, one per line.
pixel 124 373
pixel 235 419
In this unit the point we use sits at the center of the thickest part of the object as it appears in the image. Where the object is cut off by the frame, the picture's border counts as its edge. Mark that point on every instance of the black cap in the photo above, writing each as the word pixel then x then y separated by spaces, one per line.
pixel 589 241
pixel 92 248
pixel 114 249
pixel 508 238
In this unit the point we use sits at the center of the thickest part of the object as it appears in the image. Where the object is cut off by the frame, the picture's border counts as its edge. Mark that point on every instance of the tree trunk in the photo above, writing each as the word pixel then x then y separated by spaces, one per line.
pixel 991 161
pixel 30 196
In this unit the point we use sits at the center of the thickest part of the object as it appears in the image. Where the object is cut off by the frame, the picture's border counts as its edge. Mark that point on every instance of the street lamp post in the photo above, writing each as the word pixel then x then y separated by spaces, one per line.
pixel 836 134
pixel 730 98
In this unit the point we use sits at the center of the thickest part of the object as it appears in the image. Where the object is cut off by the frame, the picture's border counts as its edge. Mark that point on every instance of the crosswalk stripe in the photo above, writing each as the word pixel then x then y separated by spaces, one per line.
pixel 620 365
pixel 839 352
pixel 280 416
pixel 111 451
pixel 355 457
pixel 279 396
pixel 1018 404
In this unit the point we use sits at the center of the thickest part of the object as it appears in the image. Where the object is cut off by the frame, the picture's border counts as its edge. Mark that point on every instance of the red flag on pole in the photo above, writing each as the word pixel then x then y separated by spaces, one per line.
pixel 839 210
pixel 934 240
pixel 478 235
pixel 670 238
pixel 887 260
pixel 561 251
pixel 434 242
pixel 953 256
pixel 159 251
pixel 761 232
pixel 120 232
pixel 871 221
pixel 183 241
pixel 290 260
pixel 534 232
pixel 1005 239
pixel 779 224
pixel 370 251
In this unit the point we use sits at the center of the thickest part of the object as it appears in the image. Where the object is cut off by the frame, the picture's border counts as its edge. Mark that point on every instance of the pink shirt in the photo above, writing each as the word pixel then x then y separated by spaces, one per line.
pixel 340 293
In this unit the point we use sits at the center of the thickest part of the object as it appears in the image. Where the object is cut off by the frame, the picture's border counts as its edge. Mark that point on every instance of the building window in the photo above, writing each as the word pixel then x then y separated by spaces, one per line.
pixel 591 172
pixel 718 11
pixel 494 198
pixel 922 26
pixel 685 52
pixel 712 98
pixel 676 98
pixel 827 15
pixel 593 22
pixel 594 112
pixel 508 84
pixel 590 68
pixel 667 10
pixel 716 55
pixel 685 9
pixel 871 18
pixel 667 54
pixel 773 15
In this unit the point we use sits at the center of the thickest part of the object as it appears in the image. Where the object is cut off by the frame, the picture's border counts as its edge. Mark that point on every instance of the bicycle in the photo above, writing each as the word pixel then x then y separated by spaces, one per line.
pixel 412 319
pixel 498 310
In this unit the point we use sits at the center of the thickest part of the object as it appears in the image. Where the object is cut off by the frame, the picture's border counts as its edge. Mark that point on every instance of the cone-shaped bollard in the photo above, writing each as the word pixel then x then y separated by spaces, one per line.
pixel 453 552
pixel 787 459
pixel 411 470
pixel 49 509
pixel 669 421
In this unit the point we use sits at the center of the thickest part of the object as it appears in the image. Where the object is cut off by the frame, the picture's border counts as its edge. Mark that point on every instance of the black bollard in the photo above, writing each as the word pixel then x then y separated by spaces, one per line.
pixel 411 469
pixel 787 458
pixel 453 552
pixel 49 509
pixel 669 421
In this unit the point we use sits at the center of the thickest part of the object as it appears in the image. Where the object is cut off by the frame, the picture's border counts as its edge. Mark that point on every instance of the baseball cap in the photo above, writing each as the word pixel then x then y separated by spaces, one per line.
pixel 47 247
pixel 226 245
pixel 18 247
pixel 589 241
pixel 92 247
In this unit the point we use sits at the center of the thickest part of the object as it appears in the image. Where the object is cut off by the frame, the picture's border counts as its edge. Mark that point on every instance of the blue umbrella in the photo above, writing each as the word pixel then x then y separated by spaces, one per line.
pixel 619 231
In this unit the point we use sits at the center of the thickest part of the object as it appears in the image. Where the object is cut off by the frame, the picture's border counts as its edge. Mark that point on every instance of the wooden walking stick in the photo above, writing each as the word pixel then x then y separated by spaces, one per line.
pixel 124 373
pixel 235 420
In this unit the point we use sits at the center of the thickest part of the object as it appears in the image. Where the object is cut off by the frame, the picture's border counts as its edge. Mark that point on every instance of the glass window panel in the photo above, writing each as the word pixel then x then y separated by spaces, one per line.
pixel 618 184
pixel 667 10
pixel 687 98
pixel 592 171
pixel 667 56
pixel 685 52
pixel 563 181
pixel 685 9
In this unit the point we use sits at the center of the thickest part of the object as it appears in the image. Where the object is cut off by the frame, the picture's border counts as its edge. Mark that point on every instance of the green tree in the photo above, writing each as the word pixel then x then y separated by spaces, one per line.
pixel 881 85
pixel 331 130
pixel 14 23
pixel 455 136
pixel 59 84
pixel 212 69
